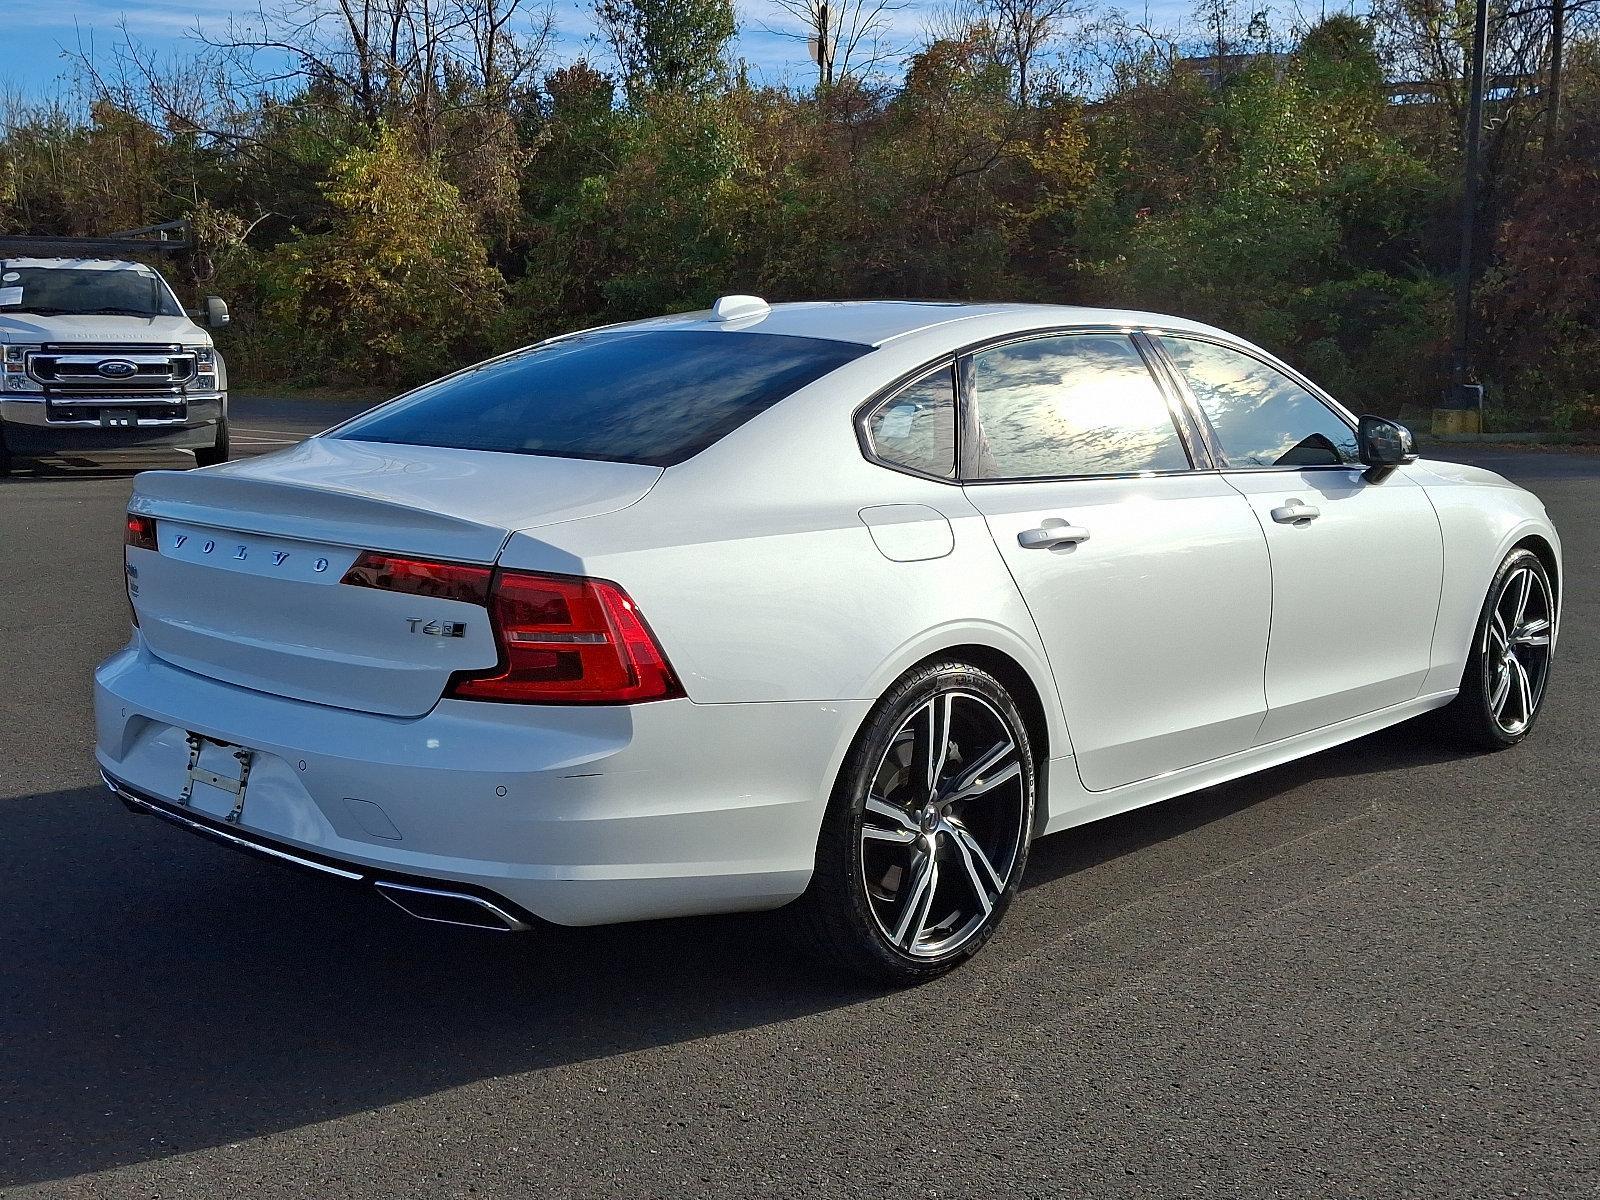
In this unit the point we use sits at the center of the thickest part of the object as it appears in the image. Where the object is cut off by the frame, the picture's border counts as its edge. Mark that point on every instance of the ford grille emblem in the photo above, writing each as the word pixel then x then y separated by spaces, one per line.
pixel 116 368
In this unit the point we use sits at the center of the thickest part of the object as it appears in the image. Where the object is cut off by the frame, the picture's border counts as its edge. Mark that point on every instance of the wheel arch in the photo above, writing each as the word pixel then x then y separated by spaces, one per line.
pixel 1544 543
pixel 1546 554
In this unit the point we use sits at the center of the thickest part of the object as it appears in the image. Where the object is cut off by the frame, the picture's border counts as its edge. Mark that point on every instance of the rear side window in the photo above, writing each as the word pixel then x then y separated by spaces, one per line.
pixel 1073 404
pixel 647 396
pixel 916 427
pixel 1261 417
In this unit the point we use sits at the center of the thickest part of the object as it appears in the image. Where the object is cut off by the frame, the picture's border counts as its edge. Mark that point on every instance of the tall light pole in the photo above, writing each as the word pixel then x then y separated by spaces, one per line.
pixel 1466 394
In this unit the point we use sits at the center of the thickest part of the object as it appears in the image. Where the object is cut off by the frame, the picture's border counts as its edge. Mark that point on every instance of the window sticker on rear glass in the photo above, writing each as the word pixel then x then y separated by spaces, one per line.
pixel 896 423
pixel 10 275
pixel 10 295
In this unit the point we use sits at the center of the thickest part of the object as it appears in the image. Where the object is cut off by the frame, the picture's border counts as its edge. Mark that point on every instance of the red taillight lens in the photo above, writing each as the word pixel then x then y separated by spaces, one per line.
pixel 562 639
pixel 565 640
pixel 140 532
pixel 420 577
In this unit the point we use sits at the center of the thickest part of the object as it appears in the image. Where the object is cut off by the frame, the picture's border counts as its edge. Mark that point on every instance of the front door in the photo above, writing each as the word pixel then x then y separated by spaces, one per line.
pixel 1149 581
pixel 1357 557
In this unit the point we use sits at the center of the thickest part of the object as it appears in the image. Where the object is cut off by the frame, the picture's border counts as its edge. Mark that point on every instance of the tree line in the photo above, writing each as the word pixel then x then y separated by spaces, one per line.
pixel 387 189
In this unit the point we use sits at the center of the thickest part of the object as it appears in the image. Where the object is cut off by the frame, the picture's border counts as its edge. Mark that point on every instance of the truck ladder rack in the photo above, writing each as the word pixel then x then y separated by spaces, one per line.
pixel 170 237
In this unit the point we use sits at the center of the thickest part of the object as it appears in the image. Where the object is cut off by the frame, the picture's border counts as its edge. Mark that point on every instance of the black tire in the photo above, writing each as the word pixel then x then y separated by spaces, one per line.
pixel 970 834
pixel 210 456
pixel 5 454
pixel 1479 718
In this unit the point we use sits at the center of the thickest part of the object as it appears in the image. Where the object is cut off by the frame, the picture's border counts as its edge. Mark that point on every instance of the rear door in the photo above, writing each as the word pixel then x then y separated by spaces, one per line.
pixel 1147 578
pixel 1357 558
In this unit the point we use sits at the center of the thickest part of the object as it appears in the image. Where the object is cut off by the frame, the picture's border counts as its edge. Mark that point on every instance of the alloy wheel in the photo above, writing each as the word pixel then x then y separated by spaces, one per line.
pixel 942 826
pixel 1516 649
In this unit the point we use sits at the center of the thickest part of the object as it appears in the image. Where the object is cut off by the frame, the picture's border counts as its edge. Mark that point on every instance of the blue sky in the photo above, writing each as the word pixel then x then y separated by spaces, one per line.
pixel 33 32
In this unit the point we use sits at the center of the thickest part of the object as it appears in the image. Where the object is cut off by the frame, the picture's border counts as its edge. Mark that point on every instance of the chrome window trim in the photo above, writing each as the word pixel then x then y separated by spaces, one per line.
pixel 966 410
pixel 1180 400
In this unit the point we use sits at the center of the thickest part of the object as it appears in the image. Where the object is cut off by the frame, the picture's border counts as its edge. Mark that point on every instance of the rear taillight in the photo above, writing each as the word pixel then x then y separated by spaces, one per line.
pixel 140 532
pixel 562 639
pixel 420 577
pixel 565 640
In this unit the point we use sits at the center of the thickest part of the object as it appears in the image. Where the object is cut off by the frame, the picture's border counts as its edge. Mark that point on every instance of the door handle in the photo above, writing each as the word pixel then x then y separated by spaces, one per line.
pixel 1052 533
pixel 1296 512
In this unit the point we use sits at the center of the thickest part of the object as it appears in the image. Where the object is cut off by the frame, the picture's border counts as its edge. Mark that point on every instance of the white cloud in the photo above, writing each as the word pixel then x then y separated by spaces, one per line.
pixel 152 17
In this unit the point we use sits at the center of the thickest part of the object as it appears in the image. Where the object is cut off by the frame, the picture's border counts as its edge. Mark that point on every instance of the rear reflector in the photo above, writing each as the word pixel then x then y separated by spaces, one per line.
pixel 562 639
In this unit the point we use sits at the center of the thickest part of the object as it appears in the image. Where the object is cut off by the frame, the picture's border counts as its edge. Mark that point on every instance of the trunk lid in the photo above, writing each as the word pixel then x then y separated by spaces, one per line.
pixel 245 584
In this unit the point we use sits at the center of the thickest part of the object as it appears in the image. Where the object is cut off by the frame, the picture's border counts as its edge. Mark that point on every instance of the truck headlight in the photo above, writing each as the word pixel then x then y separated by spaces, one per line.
pixel 206 356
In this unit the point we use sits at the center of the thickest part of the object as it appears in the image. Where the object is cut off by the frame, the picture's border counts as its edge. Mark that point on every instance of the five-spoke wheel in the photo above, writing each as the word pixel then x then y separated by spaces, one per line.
pixel 928 831
pixel 1516 646
pixel 1509 666
pixel 943 823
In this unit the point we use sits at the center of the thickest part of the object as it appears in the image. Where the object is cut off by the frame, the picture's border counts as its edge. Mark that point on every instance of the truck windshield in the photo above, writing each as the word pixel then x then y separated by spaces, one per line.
pixel 78 290
pixel 641 396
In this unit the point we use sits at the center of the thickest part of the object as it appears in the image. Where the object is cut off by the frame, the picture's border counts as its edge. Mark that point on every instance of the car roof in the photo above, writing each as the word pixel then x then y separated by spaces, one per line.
pixel 77 264
pixel 876 322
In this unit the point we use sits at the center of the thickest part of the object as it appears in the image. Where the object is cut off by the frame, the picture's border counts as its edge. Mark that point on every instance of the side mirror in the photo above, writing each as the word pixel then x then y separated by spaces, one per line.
pixel 1385 443
pixel 216 312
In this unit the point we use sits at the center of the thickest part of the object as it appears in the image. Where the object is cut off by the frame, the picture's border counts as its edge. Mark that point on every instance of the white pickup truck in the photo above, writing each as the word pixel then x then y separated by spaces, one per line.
pixel 98 355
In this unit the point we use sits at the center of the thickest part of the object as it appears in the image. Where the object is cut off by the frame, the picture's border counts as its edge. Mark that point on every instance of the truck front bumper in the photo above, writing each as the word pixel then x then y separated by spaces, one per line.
pixel 33 425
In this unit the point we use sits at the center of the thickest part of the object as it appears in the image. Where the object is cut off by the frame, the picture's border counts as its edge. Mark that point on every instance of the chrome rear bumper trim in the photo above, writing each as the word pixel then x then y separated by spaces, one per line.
pixel 501 917
pixel 136 801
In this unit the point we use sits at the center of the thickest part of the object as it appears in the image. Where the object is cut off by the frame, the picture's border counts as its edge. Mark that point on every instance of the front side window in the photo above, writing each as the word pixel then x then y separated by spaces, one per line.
pixel 1261 417
pixel 916 427
pixel 640 396
pixel 1072 404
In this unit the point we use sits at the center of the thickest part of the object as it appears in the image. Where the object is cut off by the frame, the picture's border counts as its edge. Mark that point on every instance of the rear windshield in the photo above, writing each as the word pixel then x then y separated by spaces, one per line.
pixel 646 396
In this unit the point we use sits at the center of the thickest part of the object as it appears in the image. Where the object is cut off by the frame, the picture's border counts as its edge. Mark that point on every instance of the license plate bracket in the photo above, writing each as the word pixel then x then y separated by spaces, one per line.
pixel 110 418
pixel 195 773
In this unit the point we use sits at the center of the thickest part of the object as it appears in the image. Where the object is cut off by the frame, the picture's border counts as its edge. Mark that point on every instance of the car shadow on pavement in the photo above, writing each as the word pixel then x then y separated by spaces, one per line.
pixel 161 994
pixel 1407 745
pixel 25 471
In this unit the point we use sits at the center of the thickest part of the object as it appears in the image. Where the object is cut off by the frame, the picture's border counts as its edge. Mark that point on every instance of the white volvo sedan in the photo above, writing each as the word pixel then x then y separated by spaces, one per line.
pixel 839 604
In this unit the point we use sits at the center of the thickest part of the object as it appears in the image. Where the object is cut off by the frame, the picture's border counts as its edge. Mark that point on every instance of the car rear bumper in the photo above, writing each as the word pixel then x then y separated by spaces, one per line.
pixel 573 815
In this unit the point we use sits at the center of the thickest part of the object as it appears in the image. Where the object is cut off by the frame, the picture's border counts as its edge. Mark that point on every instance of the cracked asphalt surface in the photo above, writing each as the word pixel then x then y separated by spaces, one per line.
pixel 1370 973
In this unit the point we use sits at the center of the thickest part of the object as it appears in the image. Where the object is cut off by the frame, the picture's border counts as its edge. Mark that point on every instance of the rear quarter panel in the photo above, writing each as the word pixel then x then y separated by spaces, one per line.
pixel 755 569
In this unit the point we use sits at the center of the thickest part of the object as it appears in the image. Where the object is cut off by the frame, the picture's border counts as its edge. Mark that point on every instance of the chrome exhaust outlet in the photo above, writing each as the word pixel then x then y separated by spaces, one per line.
pixel 449 908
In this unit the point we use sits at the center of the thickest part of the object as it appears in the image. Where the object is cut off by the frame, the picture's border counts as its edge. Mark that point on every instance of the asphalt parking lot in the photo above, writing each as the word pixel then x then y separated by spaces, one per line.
pixel 1370 973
